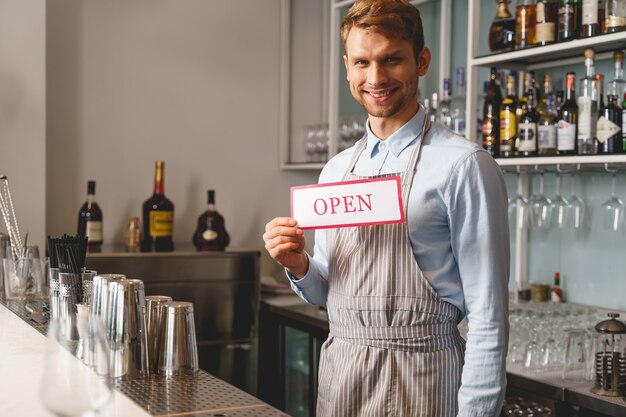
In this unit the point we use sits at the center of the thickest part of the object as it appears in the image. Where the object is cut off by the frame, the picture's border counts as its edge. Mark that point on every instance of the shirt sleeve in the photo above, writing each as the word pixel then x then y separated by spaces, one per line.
pixel 477 210
pixel 313 287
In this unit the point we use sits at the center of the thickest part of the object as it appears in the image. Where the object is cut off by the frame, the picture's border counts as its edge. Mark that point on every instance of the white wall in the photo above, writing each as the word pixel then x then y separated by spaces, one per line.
pixel 23 112
pixel 195 83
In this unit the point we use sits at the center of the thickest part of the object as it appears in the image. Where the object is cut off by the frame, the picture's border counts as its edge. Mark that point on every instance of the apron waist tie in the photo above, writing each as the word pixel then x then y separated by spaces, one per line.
pixel 416 338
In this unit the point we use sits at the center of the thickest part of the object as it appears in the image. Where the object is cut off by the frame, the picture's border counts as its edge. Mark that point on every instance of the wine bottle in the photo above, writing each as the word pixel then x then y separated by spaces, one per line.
pixel 491 116
pixel 502 30
pixel 546 129
pixel 568 117
pixel 615 15
pixel 525 23
pixel 590 19
pixel 588 107
pixel 527 130
pixel 210 234
pixel 90 220
pixel 610 127
pixel 547 21
pixel 508 120
pixel 570 20
pixel 158 217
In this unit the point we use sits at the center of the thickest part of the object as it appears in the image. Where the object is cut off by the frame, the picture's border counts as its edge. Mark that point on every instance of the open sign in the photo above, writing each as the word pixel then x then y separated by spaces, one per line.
pixel 348 203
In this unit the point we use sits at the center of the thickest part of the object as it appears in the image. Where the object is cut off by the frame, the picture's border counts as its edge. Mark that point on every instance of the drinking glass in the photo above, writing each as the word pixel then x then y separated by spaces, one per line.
pixel 69 387
pixel 613 210
pixel 532 354
pixel 540 208
pixel 574 365
pixel 576 208
pixel 559 205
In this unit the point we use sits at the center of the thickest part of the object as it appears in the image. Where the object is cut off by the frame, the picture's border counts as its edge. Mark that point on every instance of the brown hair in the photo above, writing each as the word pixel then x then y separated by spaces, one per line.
pixel 391 18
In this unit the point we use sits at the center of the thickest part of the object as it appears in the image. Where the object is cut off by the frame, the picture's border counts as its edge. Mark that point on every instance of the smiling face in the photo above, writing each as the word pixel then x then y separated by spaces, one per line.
pixel 383 74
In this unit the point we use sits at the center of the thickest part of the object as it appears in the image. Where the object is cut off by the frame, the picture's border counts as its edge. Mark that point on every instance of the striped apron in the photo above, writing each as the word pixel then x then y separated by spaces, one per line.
pixel 394 348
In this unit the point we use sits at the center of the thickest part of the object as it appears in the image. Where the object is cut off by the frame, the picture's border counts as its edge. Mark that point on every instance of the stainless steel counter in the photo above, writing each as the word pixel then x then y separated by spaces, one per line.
pixel 195 395
pixel 545 385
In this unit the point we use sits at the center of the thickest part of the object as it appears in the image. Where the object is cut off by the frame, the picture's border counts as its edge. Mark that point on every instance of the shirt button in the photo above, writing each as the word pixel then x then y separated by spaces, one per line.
pixel 382 146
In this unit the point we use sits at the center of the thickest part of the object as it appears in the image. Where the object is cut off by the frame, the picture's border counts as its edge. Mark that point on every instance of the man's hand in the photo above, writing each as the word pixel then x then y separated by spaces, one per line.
pixel 285 243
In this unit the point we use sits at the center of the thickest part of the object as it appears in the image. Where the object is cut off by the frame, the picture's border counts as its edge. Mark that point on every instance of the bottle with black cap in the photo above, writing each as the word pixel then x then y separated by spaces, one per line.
pixel 90 220
pixel 210 234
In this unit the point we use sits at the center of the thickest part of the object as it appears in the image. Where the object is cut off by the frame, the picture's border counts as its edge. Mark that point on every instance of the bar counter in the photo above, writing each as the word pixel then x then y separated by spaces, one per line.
pixel 22 356
pixel 565 398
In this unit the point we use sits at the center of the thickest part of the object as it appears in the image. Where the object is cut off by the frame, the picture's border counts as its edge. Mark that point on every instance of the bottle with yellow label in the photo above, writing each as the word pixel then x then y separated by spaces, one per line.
pixel 508 120
pixel 158 217
pixel 211 232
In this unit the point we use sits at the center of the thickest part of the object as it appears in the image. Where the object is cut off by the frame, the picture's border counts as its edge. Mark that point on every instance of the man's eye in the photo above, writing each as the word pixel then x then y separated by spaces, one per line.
pixel 360 63
pixel 392 59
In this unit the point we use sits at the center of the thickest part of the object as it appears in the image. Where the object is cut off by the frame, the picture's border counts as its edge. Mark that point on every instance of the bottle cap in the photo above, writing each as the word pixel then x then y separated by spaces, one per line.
pixel 618 56
pixel 91 187
pixel 590 53
pixel 211 196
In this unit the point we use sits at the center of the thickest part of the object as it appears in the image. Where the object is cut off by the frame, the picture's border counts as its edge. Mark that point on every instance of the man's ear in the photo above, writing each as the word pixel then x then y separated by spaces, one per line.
pixel 423 61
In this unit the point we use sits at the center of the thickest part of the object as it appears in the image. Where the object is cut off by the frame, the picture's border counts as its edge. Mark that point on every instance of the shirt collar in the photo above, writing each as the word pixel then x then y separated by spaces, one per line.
pixel 400 139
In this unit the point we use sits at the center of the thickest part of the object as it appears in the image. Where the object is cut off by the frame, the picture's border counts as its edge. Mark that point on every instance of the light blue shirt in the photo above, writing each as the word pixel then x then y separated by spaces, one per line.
pixel 458 228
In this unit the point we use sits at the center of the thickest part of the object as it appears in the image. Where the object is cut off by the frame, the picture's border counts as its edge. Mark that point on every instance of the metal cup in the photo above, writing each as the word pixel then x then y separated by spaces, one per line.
pixel 53 292
pixel 126 328
pixel 69 295
pixel 5 252
pixel 155 325
pixel 100 294
pixel 179 352
pixel 87 284
pixel 82 325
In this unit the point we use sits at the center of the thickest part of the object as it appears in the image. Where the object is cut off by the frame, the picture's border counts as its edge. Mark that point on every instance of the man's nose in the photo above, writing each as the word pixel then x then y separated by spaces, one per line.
pixel 376 75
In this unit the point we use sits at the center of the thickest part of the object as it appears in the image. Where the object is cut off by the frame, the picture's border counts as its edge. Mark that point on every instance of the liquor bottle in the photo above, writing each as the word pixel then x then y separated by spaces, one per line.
pixel 610 125
pixel 617 86
pixel 570 20
pixel 508 120
pixel 526 144
pixel 556 294
pixel 542 105
pixel 547 21
pixel 528 84
pixel 491 113
pixel 525 23
pixel 90 220
pixel 546 129
pixel 158 217
pixel 615 16
pixel 443 110
pixel 560 98
pixel 210 234
pixel 588 106
pixel 566 130
pixel 601 16
pixel 590 25
pixel 502 30
pixel 479 113
pixel 458 103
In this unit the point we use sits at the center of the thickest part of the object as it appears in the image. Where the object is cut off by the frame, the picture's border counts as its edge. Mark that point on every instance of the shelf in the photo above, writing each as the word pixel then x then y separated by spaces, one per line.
pixel 553 53
pixel 303 166
pixel 580 161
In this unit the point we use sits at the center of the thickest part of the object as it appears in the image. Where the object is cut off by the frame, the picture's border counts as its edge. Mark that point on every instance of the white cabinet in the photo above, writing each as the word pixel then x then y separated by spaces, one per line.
pixel 550 56
pixel 313 90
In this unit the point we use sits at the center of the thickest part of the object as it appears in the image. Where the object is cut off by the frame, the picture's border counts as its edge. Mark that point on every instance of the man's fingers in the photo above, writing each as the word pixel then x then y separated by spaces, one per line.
pixel 280 221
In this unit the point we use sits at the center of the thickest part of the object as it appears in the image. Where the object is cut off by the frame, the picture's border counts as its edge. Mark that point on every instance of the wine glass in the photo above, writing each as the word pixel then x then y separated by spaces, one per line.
pixel 613 209
pixel 576 208
pixel 559 205
pixel 69 387
pixel 540 207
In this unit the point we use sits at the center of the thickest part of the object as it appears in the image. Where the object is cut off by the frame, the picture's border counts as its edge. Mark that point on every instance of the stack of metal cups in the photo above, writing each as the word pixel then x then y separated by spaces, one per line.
pixel 70 294
pixel 53 292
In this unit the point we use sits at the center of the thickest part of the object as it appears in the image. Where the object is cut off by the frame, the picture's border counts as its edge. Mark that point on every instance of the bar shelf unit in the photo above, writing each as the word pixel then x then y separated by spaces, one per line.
pixel 549 56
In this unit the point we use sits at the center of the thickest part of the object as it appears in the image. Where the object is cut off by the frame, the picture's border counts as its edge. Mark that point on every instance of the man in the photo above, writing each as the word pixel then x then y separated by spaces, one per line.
pixel 395 293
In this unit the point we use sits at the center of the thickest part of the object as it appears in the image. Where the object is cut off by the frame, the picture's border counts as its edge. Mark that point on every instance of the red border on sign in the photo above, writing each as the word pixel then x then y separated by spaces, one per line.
pixel 395 178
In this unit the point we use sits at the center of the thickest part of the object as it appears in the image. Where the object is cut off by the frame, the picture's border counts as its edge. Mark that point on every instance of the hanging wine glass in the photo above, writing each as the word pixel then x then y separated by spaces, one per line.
pixel 540 207
pixel 613 209
pixel 576 208
pixel 559 205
